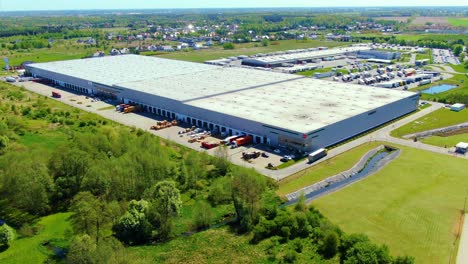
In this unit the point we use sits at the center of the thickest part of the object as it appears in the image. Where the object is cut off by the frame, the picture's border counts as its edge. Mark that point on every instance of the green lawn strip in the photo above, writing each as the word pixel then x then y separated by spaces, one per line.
pixel 449 141
pixel 412 205
pixel 437 119
pixel 30 249
pixel 212 246
pixel 218 52
pixel 325 169
pixel 459 68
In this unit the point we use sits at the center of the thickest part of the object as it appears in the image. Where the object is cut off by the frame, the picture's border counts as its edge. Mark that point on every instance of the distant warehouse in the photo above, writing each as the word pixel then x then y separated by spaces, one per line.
pixel 275 108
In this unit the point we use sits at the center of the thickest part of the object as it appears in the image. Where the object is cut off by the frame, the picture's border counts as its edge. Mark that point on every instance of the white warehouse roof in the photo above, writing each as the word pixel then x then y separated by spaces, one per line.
pixel 282 100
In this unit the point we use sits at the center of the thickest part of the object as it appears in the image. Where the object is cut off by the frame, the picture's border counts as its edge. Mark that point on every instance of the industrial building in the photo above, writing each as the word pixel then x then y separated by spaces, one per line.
pixel 377 54
pixel 278 59
pixel 275 108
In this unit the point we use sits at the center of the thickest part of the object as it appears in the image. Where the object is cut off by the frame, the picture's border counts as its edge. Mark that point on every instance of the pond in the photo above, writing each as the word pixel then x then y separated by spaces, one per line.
pixel 438 89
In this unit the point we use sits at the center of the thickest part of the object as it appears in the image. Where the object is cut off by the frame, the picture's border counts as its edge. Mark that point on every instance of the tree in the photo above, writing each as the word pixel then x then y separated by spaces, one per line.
pixel 366 252
pixel 90 215
pixel 133 227
pixel 457 50
pixel 68 167
pixel 165 204
pixel 247 190
pixel 301 203
pixel 6 235
pixel 82 250
pixel 265 42
pixel 330 245
pixel 26 184
pixel 403 260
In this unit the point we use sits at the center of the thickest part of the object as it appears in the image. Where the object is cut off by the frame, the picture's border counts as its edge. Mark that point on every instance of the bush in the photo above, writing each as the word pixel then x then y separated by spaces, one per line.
pixel 228 46
pixel 290 257
pixel 220 191
pixel 6 235
pixel 203 215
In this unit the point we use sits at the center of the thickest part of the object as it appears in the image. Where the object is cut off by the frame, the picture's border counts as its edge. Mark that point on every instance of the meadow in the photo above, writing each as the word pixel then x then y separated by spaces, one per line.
pixel 413 205
pixel 54 228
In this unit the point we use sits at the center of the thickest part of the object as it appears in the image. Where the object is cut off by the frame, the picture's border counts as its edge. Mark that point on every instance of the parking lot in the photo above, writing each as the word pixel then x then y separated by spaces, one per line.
pixel 174 133
pixel 442 56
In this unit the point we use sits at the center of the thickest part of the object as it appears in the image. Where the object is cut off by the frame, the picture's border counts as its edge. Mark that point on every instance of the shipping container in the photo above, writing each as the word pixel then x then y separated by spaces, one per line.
pixel 241 141
pixel 316 155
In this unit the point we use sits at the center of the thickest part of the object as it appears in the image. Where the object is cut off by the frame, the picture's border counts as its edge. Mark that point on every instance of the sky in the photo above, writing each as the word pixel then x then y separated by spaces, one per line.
pixel 26 5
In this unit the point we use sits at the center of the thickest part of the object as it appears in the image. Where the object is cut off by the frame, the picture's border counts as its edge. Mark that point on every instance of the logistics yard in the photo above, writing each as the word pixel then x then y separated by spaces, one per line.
pixel 279 110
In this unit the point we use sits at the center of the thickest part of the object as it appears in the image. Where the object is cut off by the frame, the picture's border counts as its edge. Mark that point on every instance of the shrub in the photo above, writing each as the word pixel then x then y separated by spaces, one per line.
pixel 228 46
pixel 6 235
pixel 203 215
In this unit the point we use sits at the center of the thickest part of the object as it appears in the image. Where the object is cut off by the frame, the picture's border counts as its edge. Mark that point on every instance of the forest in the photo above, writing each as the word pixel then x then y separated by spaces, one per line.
pixel 124 187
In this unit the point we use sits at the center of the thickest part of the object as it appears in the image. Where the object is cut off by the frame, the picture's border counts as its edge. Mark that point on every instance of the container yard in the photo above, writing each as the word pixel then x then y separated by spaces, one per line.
pixel 260 107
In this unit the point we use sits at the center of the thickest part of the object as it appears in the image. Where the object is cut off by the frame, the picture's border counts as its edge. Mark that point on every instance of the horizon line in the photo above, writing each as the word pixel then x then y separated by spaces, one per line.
pixel 201 8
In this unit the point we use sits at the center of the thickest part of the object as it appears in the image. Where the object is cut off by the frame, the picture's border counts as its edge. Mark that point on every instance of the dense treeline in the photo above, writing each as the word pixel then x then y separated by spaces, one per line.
pixel 127 187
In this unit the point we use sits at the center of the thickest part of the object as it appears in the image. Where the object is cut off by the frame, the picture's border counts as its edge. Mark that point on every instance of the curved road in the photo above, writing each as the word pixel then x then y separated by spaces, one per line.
pixel 382 134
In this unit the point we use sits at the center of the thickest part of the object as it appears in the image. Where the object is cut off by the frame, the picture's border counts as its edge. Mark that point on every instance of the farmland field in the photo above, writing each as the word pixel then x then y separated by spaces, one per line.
pixel 458 22
pixel 247 49
pixel 412 205
pixel 417 21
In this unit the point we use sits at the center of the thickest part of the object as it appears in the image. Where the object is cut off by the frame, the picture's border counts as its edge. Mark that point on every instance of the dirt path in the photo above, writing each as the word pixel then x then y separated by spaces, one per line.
pixel 462 257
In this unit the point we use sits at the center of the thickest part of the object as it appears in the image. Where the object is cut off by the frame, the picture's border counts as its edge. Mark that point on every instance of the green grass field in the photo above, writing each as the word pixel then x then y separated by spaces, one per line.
pixel 437 119
pixel 412 205
pixel 449 141
pixel 458 22
pixel 324 169
pixel 218 52
pixel 29 249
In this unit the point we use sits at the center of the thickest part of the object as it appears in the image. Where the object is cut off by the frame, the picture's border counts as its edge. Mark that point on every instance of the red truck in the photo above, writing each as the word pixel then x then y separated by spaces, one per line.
pixel 209 145
pixel 241 141
pixel 56 95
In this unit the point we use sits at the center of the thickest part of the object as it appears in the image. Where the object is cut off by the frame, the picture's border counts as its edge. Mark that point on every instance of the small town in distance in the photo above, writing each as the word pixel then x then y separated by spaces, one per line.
pixel 254 134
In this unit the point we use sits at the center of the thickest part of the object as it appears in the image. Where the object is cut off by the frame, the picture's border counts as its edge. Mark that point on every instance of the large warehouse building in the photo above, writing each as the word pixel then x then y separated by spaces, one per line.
pixel 275 108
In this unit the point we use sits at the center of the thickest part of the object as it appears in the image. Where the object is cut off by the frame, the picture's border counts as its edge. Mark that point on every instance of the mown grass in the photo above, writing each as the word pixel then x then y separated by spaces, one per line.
pixel 412 205
pixel 30 249
pixel 440 118
pixel 459 68
pixel 218 52
pixel 325 169
pixel 448 141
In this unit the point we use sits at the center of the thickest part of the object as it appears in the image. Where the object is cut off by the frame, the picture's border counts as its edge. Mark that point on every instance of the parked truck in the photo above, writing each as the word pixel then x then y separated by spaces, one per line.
pixel 56 95
pixel 209 145
pixel 229 139
pixel 241 141
pixel 316 155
